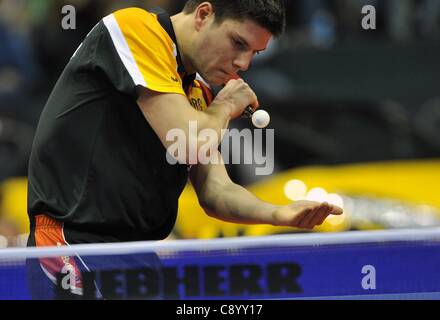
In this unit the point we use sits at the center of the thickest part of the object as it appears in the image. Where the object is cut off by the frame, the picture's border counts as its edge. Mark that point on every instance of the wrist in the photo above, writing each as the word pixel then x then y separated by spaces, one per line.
pixel 220 114
pixel 224 107
pixel 274 216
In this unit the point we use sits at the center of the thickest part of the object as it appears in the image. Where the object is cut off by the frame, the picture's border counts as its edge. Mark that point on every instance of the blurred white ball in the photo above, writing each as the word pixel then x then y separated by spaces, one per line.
pixel 261 119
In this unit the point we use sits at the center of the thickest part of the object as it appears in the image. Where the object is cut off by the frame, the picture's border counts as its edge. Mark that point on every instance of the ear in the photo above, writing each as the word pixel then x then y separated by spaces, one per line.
pixel 203 14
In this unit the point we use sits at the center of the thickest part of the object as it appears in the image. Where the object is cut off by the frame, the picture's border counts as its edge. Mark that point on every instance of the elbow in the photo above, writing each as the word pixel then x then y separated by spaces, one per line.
pixel 207 207
pixel 209 198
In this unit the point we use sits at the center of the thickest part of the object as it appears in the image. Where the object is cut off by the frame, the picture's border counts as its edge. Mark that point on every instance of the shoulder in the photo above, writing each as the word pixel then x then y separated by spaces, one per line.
pixel 139 25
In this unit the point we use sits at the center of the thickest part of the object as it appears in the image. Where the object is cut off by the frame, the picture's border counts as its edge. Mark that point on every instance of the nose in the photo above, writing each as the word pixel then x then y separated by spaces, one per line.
pixel 242 61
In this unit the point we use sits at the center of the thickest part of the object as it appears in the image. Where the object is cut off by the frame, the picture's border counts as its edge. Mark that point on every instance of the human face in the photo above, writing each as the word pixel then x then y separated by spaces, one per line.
pixel 222 50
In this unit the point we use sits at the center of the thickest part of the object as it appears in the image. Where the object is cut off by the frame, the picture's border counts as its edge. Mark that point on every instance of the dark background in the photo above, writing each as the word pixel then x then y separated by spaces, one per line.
pixel 336 93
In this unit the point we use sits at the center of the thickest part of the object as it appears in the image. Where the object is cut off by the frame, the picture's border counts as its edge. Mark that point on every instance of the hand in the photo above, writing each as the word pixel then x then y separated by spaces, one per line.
pixel 305 214
pixel 237 95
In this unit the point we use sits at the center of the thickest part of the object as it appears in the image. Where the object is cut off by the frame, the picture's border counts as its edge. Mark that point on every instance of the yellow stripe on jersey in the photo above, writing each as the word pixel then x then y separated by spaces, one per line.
pixel 152 49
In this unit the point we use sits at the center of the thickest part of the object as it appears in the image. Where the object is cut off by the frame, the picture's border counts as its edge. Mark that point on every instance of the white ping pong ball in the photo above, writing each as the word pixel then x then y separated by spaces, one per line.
pixel 261 119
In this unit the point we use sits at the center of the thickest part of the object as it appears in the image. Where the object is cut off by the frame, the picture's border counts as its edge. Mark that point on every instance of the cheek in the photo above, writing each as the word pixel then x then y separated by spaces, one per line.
pixel 214 53
pixel 206 52
pixel 221 58
pixel 217 48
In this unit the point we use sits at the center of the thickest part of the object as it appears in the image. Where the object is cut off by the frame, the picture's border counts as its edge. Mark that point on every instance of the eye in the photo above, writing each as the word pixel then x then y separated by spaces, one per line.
pixel 239 45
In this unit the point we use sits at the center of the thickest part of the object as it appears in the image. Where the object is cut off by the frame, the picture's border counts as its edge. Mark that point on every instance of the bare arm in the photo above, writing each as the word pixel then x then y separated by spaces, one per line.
pixel 167 111
pixel 225 200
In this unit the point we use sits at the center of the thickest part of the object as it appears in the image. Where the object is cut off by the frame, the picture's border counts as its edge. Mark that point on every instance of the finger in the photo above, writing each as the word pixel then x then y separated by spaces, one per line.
pixel 321 214
pixel 232 82
pixel 308 218
pixel 255 103
pixel 299 220
pixel 335 210
pixel 322 217
pixel 321 221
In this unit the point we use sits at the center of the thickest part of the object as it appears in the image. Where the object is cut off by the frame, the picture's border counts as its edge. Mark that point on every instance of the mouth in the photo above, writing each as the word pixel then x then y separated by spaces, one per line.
pixel 224 72
pixel 229 75
pixel 223 76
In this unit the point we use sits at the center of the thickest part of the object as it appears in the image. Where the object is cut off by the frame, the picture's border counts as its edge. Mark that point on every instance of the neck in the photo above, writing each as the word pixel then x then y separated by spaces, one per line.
pixel 183 40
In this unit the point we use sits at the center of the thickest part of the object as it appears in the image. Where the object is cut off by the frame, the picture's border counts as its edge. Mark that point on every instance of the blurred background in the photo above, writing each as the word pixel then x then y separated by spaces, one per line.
pixel 356 112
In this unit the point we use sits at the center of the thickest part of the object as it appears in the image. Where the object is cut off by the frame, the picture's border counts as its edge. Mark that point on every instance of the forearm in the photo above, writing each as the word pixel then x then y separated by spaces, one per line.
pixel 233 203
pixel 216 117
pixel 178 125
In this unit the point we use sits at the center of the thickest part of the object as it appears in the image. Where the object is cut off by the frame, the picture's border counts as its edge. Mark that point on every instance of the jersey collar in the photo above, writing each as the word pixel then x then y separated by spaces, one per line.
pixel 165 21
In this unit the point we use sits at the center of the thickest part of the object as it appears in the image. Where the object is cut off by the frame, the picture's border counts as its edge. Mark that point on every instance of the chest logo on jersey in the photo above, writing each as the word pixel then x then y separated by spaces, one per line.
pixel 196 99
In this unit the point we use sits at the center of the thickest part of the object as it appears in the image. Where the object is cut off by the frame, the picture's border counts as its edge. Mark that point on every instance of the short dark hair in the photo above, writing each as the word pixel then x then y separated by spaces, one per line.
pixel 269 14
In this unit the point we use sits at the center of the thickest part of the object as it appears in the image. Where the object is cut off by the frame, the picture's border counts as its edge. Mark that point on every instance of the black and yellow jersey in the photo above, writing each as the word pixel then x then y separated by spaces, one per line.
pixel 96 164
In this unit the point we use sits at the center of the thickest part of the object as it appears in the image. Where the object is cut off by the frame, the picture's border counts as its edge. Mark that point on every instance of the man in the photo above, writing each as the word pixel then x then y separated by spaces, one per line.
pixel 98 170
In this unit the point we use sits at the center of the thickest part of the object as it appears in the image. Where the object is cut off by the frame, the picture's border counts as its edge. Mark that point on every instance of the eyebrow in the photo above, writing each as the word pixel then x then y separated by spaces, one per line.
pixel 246 43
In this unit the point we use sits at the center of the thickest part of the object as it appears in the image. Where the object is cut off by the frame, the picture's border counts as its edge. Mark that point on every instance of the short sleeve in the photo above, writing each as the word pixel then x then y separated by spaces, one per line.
pixel 141 47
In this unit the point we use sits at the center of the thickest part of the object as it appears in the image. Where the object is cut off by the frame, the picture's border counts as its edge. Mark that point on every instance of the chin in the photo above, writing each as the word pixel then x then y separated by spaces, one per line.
pixel 221 80
pixel 214 81
pixel 217 82
pixel 215 78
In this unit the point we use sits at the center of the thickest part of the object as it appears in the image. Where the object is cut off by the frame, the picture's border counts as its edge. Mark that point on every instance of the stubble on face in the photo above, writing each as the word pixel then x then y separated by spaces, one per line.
pixel 216 49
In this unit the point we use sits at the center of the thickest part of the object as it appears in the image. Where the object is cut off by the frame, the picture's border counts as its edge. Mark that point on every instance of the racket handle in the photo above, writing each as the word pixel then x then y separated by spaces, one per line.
pixel 248 112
